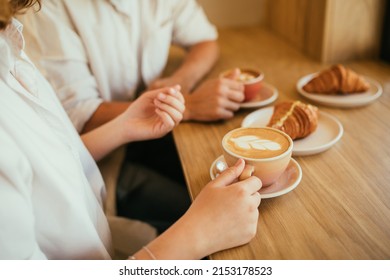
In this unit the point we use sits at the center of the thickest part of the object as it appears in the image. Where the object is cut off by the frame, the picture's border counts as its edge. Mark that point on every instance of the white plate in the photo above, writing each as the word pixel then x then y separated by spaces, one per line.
pixel 288 181
pixel 328 132
pixel 266 95
pixel 341 101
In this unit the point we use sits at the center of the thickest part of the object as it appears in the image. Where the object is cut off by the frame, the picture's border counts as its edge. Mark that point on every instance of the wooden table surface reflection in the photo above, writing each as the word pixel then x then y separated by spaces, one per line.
pixel 341 208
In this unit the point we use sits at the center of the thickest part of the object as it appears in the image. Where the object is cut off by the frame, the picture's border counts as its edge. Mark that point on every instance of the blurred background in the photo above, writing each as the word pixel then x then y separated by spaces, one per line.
pixel 326 30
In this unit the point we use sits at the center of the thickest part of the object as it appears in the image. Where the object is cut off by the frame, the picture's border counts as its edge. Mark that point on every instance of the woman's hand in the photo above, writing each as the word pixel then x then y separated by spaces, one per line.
pixel 223 215
pixel 226 211
pixel 153 114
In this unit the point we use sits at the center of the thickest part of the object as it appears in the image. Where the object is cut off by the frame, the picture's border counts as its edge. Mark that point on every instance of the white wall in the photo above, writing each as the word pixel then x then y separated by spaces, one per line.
pixel 228 13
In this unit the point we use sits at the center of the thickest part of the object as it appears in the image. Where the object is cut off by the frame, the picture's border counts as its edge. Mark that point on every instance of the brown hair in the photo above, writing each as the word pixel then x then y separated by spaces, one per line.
pixel 8 8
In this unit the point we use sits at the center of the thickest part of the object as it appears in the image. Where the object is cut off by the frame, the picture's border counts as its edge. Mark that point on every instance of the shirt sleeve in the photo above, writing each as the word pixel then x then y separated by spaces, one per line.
pixel 17 232
pixel 58 52
pixel 191 24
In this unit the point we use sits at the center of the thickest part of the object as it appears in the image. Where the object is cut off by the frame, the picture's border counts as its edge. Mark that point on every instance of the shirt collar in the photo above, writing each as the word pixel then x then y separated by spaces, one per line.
pixel 14 33
pixel 11 46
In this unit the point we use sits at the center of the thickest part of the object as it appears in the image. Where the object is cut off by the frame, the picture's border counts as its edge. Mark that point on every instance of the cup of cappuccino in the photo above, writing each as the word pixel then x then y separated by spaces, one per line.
pixel 250 78
pixel 267 151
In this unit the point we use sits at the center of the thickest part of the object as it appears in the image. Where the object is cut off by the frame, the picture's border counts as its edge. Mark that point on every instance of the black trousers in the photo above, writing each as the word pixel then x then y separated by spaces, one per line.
pixel 151 185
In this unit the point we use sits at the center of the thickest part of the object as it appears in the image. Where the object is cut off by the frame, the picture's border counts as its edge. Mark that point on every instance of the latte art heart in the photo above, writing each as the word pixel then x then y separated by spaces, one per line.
pixel 249 142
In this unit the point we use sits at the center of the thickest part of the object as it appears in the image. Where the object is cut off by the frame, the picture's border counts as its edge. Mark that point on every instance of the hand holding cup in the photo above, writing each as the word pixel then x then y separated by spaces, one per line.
pixel 250 78
pixel 267 150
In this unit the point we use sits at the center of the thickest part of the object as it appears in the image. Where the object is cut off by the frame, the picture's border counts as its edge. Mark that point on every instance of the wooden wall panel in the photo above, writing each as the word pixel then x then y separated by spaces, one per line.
pixel 329 30
pixel 301 22
pixel 353 29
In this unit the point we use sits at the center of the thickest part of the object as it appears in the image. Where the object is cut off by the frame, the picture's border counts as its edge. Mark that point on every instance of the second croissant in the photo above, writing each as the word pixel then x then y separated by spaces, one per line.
pixel 337 80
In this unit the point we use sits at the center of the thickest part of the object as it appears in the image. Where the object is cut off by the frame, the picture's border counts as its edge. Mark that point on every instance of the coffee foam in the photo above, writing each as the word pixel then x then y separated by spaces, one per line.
pixel 256 143
pixel 244 77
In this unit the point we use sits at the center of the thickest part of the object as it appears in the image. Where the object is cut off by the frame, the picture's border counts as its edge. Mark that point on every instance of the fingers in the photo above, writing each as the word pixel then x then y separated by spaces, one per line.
pixel 235 95
pixel 230 105
pixel 230 175
pixel 227 103
pixel 175 92
pixel 231 90
pixel 177 87
pixel 171 106
pixel 249 189
pixel 171 103
pixel 166 118
pixel 233 85
pixel 234 74
pixel 252 184
pixel 225 108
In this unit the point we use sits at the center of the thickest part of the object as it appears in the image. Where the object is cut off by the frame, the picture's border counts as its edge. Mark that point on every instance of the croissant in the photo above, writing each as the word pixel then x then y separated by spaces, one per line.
pixel 296 119
pixel 337 80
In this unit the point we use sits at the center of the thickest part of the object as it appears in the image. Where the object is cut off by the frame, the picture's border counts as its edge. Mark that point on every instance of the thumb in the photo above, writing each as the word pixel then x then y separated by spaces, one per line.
pixel 234 74
pixel 231 174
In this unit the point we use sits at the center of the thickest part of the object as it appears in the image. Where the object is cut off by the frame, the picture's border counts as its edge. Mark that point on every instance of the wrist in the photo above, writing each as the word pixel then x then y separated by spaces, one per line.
pixel 173 243
pixel 187 114
pixel 198 248
pixel 119 131
pixel 184 80
pixel 144 254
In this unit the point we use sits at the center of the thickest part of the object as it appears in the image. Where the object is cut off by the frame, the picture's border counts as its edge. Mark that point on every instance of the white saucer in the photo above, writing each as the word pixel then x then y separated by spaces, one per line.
pixel 328 132
pixel 341 101
pixel 288 181
pixel 266 95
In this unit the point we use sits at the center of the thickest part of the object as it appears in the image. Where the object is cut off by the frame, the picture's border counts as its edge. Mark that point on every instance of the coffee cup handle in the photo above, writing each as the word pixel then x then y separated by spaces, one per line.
pixel 247 172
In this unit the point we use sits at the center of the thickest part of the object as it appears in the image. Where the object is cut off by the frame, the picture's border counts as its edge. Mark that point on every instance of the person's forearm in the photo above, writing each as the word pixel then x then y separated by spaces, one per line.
pixel 173 244
pixel 102 133
pixel 198 62
pixel 105 113
pixel 104 139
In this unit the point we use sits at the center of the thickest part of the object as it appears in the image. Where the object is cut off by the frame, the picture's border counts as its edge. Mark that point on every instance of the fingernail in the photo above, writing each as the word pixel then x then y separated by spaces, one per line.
pixel 172 91
pixel 239 162
pixel 220 166
pixel 162 96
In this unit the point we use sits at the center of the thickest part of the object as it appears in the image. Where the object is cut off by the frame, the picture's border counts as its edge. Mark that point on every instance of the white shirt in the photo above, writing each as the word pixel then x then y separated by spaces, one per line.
pixel 50 187
pixel 101 50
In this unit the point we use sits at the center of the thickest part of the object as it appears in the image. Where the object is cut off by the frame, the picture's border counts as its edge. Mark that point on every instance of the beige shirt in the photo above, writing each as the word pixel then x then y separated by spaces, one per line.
pixel 51 190
pixel 100 50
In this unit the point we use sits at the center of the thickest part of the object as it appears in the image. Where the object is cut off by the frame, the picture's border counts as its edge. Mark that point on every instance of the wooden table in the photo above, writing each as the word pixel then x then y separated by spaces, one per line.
pixel 341 208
